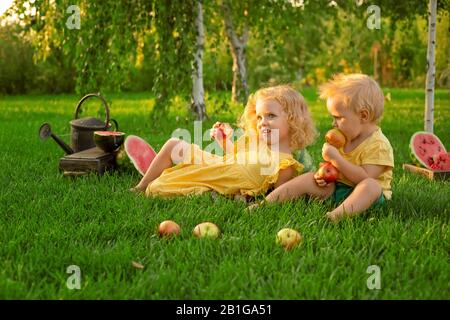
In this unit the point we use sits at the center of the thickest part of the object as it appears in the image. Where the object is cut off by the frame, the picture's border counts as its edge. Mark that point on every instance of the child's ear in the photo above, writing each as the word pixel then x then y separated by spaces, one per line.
pixel 364 115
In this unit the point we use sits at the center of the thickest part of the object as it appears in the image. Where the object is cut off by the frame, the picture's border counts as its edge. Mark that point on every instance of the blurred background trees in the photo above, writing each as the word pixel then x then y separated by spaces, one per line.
pixel 142 45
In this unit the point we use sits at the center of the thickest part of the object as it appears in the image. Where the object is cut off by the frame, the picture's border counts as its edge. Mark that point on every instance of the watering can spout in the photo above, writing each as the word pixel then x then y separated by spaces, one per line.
pixel 45 132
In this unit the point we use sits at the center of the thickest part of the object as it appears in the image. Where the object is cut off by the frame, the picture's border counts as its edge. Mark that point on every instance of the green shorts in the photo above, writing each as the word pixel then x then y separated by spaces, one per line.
pixel 342 191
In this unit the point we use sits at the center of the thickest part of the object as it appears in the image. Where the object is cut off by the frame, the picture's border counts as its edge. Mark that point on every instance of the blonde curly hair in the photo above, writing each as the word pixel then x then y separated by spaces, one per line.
pixel 301 126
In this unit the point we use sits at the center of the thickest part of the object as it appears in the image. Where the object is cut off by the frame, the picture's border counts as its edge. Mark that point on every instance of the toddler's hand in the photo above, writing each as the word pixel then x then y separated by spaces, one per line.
pixel 320 182
pixel 221 131
pixel 329 152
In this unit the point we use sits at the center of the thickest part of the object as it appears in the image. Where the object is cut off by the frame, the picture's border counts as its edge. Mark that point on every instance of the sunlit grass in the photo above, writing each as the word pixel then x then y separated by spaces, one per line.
pixel 49 222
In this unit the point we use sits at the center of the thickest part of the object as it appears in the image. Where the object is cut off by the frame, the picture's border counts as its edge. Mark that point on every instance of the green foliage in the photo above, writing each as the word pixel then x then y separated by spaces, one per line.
pixel 174 26
pixel 113 31
pixel 20 73
pixel 17 70
pixel 141 45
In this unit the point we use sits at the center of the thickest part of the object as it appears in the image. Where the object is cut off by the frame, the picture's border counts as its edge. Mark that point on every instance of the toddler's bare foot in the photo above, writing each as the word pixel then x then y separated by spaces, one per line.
pixel 334 216
pixel 254 206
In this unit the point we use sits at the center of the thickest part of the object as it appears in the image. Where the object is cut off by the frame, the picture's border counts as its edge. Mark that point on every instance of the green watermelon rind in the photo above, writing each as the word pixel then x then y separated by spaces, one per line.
pixel 416 160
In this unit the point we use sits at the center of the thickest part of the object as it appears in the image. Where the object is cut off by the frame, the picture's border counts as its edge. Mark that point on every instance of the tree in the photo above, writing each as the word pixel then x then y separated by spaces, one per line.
pixel 405 9
pixel 237 48
pixel 431 67
pixel 100 48
pixel 198 92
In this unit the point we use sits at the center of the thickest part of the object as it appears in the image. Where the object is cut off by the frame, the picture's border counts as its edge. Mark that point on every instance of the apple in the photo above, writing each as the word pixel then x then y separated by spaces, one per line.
pixel 288 238
pixel 327 172
pixel 336 138
pixel 206 230
pixel 223 131
pixel 226 130
pixel 168 228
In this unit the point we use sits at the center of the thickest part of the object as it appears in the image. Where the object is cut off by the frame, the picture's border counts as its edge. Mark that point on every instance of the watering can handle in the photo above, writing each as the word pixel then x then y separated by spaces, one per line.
pixel 104 103
pixel 115 124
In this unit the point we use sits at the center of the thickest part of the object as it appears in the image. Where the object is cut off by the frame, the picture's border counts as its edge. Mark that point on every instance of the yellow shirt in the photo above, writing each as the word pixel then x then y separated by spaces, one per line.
pixel 244 172
pixel 375 150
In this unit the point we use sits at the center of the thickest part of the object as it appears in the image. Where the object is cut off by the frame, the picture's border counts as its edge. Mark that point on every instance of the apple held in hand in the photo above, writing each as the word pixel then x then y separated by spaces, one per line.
pixel 221 131
pixel 288 238
pixel 206 230
pixel 327 172
pixel 336 138
pixel 226 130
pixel 168 228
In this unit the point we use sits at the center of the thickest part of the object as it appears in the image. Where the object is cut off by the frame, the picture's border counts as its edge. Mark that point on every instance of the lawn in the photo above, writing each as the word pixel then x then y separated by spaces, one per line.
pixel 49 222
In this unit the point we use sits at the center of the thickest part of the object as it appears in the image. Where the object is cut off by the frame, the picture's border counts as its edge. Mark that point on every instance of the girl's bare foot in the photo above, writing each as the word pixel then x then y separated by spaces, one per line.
pixel 137 189
pixel 240 197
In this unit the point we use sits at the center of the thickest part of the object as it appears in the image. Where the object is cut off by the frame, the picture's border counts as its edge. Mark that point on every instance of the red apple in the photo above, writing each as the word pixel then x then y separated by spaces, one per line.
pixel 206 230
pixel 327 172
pixel 288 238
pixel 336 138
pixel 226 129
pixel 223 131
pixel 168 228
pixel 221 134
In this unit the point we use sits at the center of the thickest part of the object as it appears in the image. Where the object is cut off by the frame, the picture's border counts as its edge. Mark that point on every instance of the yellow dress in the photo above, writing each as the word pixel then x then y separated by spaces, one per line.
pixel 245 173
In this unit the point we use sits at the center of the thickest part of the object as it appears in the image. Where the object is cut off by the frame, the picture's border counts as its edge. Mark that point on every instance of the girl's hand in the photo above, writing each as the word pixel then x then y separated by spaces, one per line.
pixel 221 131
pixel 329 152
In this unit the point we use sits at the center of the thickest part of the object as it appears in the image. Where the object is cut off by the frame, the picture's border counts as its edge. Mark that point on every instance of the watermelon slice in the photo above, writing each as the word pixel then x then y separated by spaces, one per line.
pixel 441 161
pixel 424 146
pixel 109 133
pixel 139 152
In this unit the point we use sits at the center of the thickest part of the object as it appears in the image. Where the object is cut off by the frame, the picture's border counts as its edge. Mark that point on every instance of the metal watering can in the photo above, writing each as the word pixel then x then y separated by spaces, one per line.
pixel 82 130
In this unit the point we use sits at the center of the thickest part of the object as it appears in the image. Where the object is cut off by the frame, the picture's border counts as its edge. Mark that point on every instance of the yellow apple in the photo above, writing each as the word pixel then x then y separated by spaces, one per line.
pixel 336 138
pixel 206 230
pixel 288 238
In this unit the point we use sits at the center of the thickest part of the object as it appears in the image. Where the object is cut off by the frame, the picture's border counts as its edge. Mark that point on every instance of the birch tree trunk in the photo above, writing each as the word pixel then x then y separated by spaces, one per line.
pixel 237 46
pixel 198 92
pixel 431 67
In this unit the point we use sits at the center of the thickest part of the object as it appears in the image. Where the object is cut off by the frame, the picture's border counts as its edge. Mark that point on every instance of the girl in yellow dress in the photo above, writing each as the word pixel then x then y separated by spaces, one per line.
pixel 276 121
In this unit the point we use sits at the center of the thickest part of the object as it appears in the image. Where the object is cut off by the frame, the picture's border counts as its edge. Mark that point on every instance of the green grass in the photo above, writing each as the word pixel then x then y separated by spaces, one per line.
pixel 49 222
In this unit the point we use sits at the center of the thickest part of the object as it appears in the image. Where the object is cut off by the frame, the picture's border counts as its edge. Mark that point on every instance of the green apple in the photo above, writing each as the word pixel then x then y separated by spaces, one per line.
pixel 206 230
pixel 288 238
pixel 168 228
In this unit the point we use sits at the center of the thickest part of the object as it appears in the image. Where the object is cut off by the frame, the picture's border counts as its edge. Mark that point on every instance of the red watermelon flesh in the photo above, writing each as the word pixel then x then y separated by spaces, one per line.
pixel 139 152
pixel 424 145
pixel 441 161
pixel 109 133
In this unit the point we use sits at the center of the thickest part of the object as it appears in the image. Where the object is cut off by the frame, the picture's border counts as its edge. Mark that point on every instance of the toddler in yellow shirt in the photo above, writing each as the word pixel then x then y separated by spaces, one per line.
pixel 365 162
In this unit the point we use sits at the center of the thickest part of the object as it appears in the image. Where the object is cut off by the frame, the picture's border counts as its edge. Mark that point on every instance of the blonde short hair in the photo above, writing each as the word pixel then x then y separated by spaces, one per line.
pixel 301 127
pixel 357 92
